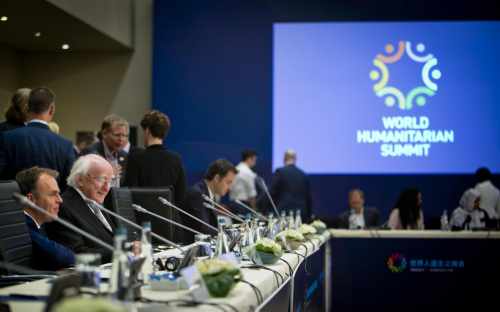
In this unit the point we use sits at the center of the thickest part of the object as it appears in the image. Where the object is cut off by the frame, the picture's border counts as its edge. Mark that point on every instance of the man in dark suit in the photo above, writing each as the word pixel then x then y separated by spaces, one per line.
pixel 113 139
pixel 216 183
pixel 358 216
pixel 40 186
pixel 35 144
pixel 89 183
pixel 290 188
pixel 155 166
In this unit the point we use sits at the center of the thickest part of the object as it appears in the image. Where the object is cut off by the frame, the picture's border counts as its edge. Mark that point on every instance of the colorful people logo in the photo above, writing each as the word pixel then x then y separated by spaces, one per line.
pixel 392 94
pixel 396 263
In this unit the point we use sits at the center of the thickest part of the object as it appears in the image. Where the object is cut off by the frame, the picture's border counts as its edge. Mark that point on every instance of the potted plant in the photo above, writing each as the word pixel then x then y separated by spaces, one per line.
pixel 219 276
pixel 319 225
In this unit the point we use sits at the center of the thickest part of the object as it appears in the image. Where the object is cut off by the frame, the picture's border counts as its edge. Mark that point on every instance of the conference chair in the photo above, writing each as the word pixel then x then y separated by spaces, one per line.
pixel 15 240
pixel 119 200
pixel 148 198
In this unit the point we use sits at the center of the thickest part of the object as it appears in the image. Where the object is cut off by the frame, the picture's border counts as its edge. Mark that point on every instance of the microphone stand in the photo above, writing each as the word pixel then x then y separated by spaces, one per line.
pixel 221 209
pixel 264 186
pixel 167 203
pixel 239 202
pixel 143 210
pixel 134 225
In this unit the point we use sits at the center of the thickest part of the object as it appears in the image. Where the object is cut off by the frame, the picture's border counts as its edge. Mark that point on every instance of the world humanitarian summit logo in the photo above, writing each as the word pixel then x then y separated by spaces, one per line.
pixel 392 94
pixel 396 263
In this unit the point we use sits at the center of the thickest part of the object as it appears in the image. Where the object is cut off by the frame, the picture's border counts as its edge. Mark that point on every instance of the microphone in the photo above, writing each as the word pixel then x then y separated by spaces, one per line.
pixel 264 186
pixel 143 210
pixel 221 209
pixel 134 225
pixel 23 200
pixel 239 202
pixel 167 203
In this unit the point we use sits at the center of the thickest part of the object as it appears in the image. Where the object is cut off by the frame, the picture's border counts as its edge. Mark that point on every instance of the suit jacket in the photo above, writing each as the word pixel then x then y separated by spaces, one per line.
pixel 98 148
pixel 157 167
pixel 75 210
pixel 7 125
pixel 291 191
pixel 194 205
pixel 47 254
pixel 35 145
pixel 370 214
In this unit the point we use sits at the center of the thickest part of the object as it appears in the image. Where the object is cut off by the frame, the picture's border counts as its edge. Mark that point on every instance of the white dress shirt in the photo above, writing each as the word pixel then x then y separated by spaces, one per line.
pixel 243 187
pixel 490 198
pixel 356 220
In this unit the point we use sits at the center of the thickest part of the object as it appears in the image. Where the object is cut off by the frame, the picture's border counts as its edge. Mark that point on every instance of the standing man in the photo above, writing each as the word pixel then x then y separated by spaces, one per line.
pixel 290 187
pixel 35 144
pixel 40 186
pixel 88 184
pixel 244 188
pixel 216 183
pixel 114 138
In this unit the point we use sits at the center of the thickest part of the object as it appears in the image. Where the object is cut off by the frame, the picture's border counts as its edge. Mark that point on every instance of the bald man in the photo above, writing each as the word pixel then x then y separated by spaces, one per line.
pixel 290 187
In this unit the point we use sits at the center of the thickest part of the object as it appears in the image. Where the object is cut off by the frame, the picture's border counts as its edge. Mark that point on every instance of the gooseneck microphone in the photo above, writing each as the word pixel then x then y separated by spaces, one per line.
pixel 143 210
pixel 266 190
pixel 23 200
pixel 167 203
pixel 239 202
pixel 221 210
pixel 135 225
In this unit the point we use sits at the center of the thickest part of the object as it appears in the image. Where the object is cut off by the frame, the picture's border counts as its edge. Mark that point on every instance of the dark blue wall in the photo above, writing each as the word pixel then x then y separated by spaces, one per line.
pixel 212 75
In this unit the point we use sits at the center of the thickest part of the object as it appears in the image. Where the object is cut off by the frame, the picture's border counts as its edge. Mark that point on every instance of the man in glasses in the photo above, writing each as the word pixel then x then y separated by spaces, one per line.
pixel 113 139
pixel 40 186
pixel 88 184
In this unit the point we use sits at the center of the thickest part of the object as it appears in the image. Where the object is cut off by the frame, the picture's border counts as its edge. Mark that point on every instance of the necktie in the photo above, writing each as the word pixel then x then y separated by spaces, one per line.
pixel 98 213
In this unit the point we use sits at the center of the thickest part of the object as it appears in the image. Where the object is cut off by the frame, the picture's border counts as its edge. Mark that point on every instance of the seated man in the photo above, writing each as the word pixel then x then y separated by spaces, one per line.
pixel 218 179
pixel 358 217
pixel 88 183
pixel 40 186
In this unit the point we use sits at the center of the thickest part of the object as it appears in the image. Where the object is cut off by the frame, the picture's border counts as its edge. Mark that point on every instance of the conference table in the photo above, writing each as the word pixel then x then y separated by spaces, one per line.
pixel 413 270
pixel 303 290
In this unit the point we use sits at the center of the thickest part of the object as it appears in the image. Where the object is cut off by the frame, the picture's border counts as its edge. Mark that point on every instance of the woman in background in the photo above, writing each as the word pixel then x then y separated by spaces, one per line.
pixel 15 115
pixel 407 213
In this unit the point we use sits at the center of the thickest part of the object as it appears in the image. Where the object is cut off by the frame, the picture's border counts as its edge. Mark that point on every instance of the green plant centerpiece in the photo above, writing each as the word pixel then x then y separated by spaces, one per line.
pixel 290 238
pixel 319 225
pixel 265 251
pixel 219 276
pixel 307 230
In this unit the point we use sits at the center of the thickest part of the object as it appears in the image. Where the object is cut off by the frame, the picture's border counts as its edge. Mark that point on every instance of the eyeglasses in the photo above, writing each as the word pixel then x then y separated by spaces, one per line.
pixel 119 135
pixel 103 179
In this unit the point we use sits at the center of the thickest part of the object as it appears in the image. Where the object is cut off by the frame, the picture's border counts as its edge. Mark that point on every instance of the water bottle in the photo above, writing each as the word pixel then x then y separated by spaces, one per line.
pixel 146 252
pixel 120 267
pixel 222 243
pixel 298 219
pixel 291 220
pixel 444 221
pixel 283 223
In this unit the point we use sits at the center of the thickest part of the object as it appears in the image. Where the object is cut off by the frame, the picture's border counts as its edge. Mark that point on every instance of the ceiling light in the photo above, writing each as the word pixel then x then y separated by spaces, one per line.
pixel 65 46
pixel 38 34
pixel 4 18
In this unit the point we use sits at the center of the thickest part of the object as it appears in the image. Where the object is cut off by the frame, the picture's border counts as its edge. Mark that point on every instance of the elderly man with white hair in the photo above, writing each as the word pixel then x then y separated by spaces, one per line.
pixel 88 184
